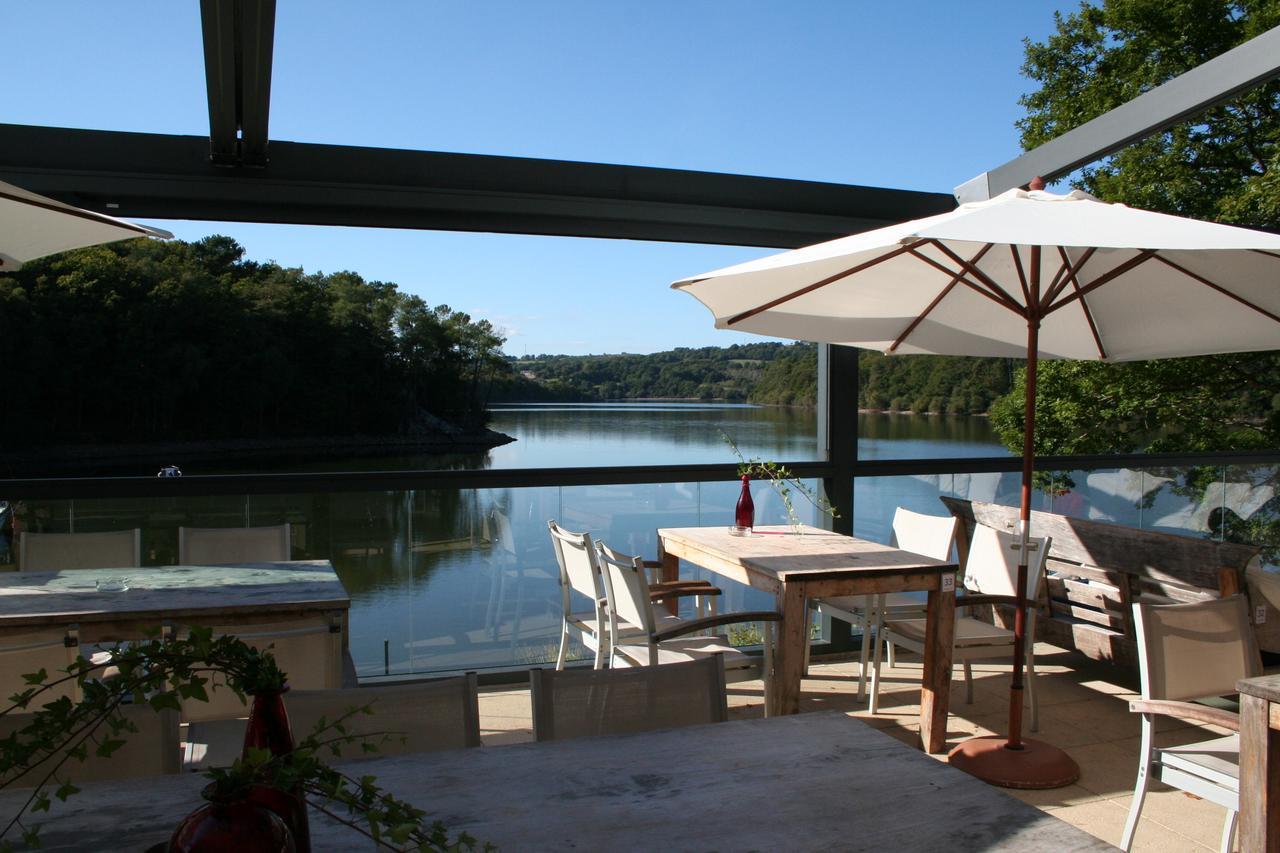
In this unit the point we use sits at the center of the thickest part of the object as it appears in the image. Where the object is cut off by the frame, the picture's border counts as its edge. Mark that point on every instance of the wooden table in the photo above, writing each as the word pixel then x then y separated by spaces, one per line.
pixel 178 595
pixel 1259 763
pixel 822 564
pixel 808 782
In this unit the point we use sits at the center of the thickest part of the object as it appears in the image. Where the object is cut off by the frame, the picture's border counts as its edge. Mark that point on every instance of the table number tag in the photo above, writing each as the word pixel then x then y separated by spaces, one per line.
pixel 948 583
pixel 1260 614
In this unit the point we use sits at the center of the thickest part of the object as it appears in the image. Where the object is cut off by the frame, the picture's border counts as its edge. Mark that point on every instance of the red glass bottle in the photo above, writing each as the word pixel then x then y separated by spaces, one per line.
pixel 231 822
pixel 745 515
pixel 268 728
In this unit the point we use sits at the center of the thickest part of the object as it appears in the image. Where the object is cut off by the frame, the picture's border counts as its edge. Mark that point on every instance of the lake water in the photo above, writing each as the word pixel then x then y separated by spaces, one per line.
pixel 584 435
pixel 455 579
pixel 454 592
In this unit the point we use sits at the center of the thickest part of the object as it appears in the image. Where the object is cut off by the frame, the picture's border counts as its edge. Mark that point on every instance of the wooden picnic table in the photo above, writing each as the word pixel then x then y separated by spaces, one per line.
pixel 224 595
pixel 821 564
pixel 1260 763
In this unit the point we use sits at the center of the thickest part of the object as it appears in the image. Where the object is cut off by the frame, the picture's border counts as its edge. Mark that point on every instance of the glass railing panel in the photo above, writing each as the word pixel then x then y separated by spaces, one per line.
pixel 1239 503
pixel 438 584
pixel 876 498
pixel 1251 509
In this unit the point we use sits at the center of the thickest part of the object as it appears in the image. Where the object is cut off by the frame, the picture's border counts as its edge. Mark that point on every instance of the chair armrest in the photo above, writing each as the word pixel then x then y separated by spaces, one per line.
pixel 975 598
pixel 1187 711
pixel 694 625
pixel 661 594
pixel 676 584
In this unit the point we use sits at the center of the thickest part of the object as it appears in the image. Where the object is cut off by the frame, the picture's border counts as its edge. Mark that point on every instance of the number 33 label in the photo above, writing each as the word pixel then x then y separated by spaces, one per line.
pixel 948 583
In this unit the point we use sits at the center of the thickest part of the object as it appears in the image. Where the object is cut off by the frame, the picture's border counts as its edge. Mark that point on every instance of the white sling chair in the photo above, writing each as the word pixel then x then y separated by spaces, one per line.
pixel 151 748
pixel 585 702
pixel 1192 651
pixel 630 601
pixel 580 572
pixel 116 549
pixel 929 535
pixel 204 546
pixel 51 649
pixel 991 571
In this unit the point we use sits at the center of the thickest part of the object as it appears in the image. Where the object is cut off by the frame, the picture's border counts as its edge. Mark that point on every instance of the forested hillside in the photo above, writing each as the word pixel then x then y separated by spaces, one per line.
pixel 149 341
pixel 932 383
pixel 707 373
pixel 766 373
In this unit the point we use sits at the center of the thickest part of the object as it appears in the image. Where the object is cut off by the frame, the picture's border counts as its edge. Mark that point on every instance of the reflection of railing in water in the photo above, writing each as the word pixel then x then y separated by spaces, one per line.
pixel 431 592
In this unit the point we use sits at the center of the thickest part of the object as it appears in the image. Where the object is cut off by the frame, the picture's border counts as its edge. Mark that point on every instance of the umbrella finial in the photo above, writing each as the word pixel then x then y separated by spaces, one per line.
pixel 1037 183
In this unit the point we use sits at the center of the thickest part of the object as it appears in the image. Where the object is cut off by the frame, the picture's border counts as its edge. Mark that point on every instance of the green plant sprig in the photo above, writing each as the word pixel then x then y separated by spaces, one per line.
pixel 162 673
pixel 783 481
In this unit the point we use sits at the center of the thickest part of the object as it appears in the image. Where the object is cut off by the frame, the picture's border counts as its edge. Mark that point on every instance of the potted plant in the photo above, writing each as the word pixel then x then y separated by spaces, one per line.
pixel 161 673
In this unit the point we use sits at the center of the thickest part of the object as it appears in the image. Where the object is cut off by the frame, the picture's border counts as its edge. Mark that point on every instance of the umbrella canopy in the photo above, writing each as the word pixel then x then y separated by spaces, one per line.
pixel 32 226
pixel 1116 283
pixel 1028 273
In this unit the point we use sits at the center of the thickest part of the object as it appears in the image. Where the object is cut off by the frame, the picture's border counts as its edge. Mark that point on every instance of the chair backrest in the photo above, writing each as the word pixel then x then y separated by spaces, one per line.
pixel 992 567
pixel 308 649
pixel 1189 651
pixel 50 649
pixel 204 546
pixel 576 556
pixel 152 750
pixel 931 535
pixel 579 702
pixel 47 552
pixel 427 717
pixel 626 587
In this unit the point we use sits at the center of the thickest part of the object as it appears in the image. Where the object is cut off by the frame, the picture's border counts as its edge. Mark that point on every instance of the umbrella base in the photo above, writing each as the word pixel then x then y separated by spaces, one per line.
pixel 1036 765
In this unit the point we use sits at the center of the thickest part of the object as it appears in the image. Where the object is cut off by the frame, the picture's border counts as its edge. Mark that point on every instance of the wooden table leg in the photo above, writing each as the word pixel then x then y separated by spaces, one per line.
pixel 670 572
pixel 788 660
pixel 935 687
pixel 1259 776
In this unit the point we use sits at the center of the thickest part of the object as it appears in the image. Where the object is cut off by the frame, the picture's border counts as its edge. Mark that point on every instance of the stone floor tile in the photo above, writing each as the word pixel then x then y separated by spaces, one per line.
pixel 1187 815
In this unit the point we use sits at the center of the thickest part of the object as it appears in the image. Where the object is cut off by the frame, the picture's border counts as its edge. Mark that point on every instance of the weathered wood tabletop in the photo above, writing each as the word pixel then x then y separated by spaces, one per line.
pixel 817 564
pixel 1259 762
pixel 177 594
pixel 807 782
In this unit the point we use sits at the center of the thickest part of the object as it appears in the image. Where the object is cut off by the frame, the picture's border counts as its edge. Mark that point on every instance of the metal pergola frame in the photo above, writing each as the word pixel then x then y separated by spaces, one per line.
pixel 239 174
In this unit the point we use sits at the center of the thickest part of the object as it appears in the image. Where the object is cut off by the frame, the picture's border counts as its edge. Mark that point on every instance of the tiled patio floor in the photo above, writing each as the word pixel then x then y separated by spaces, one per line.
pixel 1083 709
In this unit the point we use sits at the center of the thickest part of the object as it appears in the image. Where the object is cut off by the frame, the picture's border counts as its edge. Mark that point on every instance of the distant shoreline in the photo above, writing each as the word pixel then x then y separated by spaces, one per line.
pixel 149 457
pixel 696 400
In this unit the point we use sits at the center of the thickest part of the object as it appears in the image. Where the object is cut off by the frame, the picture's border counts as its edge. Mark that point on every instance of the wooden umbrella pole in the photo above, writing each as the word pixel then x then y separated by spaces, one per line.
pixel 1024 535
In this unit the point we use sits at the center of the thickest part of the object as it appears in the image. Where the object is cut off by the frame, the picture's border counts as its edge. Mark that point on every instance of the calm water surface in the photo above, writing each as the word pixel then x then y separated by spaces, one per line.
pixel 559 435
pixel 459 592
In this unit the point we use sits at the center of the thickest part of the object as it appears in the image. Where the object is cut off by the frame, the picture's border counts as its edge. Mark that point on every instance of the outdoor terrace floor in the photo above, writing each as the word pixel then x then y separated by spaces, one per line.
pixel 1083 709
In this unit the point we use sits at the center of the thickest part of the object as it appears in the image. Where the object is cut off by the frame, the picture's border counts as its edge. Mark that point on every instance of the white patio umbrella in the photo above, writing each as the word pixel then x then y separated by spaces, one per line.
pixel 32 226
pixel 1026 274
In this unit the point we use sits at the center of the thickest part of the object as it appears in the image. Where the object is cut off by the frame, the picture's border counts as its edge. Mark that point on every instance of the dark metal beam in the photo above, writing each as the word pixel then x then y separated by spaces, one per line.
pixel 838 427
pixel 1190 94
pixel 80 488
pixel 238 42
pixel 170 177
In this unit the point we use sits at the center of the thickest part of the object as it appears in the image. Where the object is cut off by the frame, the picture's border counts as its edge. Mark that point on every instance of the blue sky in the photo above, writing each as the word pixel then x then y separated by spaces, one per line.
pixel 917 96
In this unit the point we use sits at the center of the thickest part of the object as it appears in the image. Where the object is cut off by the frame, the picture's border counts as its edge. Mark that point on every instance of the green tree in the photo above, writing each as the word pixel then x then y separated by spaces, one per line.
pixel 143 341
pixel 1222 165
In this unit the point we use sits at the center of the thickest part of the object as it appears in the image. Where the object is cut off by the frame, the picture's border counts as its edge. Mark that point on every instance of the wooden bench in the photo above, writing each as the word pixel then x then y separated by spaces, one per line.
pixel 1096 571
